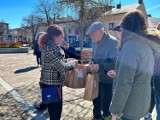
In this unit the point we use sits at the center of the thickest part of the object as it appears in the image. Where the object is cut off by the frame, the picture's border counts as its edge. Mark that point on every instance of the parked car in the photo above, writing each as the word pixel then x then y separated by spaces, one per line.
pixel 8 38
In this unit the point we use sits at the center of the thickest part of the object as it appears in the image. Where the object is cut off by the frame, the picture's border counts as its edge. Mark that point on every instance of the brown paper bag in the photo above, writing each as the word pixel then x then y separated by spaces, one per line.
pixel 76 78
pixel 92 87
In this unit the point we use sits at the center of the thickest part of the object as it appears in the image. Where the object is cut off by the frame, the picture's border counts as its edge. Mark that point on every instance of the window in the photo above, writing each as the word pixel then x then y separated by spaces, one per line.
pixel 111 26
pixel 69 31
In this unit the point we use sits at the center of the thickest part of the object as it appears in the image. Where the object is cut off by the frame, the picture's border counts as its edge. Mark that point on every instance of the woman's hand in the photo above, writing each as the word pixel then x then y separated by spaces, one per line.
pixel 111 73
pixel 74 62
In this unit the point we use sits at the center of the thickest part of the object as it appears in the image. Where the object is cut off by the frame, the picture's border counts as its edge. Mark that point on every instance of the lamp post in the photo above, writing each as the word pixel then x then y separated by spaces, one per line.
pixel 81 4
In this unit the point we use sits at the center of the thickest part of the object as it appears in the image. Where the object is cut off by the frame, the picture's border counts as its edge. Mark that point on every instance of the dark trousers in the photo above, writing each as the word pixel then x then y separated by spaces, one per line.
pixel 38 60
pixel 55 110
pixel 152 104
pixel 102 102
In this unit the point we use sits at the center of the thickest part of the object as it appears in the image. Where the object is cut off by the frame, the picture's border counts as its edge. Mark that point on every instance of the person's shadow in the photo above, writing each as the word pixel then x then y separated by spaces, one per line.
pixel 25 69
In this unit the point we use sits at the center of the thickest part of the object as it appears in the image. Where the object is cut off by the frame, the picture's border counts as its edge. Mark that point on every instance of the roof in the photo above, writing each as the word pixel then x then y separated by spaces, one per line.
pixel 64 19
pixel 3 23
pixel 67 19
pixel 153 22
pixel 123 9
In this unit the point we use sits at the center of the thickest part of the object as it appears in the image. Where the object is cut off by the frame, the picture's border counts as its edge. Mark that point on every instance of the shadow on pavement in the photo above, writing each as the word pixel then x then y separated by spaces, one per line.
pixel 14 110
pixel 25 69
pixel 11 109
pixel 74 107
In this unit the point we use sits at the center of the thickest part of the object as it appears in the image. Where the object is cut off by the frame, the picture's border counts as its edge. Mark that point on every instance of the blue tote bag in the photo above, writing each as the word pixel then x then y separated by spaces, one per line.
pixel 51 94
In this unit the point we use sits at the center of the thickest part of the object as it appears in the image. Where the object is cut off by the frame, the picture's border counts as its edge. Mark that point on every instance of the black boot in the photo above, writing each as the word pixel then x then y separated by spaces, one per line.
pixel 41 106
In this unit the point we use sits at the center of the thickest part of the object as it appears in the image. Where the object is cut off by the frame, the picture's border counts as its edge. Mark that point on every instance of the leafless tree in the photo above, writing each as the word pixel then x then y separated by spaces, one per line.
pixel 1 31
pixel 87 11
pixel 49 9
pixel 32 22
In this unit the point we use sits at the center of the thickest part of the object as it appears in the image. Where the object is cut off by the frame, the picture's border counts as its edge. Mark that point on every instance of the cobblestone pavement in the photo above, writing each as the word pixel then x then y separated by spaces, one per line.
pixel 20 71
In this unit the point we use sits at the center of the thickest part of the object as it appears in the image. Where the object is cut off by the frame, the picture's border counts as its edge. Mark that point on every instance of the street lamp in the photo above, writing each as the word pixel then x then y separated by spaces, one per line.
pixel 81 4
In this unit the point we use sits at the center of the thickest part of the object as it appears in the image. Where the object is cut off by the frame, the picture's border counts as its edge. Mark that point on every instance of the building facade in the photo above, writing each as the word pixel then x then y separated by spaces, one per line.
pixel 3 29
pixel 114 16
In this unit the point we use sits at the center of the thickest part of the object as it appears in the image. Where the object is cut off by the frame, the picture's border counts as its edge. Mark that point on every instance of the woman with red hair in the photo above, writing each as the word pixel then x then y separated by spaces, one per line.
pixel 53 65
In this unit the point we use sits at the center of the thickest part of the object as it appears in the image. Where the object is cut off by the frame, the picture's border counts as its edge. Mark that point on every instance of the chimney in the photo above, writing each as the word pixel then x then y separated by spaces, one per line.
pixel 140 1
pixel 118 6
pixel 149 15
pixel 109 7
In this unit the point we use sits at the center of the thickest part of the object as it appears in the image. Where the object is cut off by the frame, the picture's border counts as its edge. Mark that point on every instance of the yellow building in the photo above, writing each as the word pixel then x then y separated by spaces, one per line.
pixel 114 16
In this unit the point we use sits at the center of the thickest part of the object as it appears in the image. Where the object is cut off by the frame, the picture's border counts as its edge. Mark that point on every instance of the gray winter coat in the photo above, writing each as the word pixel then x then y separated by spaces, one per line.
pixel 134 69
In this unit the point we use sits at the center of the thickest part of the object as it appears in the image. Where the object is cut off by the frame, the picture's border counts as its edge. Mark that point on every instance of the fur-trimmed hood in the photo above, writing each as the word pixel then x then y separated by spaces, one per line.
pixel 151 37
pixel 153 34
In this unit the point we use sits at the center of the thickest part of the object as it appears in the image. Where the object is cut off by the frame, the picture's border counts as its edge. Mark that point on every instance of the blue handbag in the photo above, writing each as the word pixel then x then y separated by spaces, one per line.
pixel 51 94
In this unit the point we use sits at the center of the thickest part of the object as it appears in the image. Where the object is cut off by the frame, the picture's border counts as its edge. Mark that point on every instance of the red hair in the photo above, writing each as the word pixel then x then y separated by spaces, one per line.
pixel 51 32
pixel 43 38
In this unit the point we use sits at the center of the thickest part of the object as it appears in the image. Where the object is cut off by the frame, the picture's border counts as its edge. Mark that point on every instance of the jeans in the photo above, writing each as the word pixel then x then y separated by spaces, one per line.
pixel 158 106
pixel 102 102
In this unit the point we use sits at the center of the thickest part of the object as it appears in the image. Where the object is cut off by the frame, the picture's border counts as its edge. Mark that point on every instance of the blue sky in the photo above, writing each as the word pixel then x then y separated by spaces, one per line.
pixel 12 11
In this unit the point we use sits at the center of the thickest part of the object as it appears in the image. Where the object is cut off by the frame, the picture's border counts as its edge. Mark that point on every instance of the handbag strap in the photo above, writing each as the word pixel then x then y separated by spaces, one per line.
pixel 59 92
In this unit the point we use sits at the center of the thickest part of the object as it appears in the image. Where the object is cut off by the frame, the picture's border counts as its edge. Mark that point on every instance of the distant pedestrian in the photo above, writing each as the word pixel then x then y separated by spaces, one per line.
pixel 54 66
pixel 117 31
pixel 37 51
pixel 69 50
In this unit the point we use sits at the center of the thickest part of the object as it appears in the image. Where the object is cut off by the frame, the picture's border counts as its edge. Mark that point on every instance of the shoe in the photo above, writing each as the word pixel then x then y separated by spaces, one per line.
pixel 148 116
pixel 41 106
pixel 93 118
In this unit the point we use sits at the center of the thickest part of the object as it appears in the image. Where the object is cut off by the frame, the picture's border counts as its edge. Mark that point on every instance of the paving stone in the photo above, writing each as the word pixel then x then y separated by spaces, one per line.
pixel 19 70
pixel 11 110
pixel 27 85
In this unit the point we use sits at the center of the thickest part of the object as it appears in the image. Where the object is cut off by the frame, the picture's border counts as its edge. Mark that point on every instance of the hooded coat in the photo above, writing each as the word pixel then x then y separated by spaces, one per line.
pixel 154 34
pixel 134 69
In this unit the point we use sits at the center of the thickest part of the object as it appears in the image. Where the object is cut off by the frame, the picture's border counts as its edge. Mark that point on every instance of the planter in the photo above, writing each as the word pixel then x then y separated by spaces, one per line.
pixel 13 50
